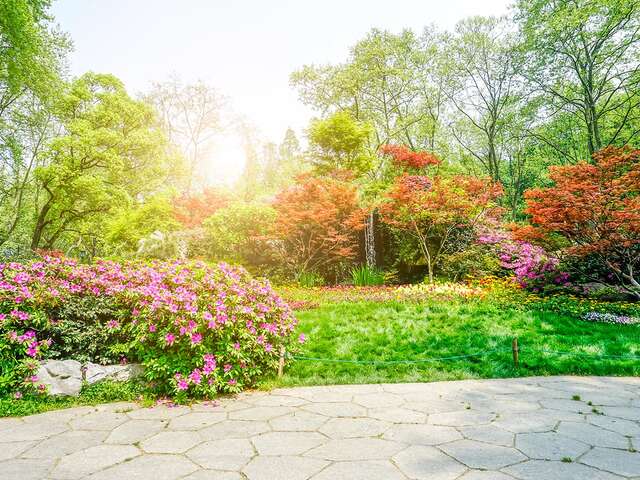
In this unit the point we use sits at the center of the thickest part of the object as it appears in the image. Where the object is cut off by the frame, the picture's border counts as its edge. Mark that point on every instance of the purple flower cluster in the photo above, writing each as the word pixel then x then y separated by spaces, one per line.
pixel 610 318
pixel 530 264
pixel 216 327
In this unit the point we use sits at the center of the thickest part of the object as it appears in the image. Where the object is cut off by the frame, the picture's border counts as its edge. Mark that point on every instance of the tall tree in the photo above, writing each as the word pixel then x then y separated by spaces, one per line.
pixel 583 56
pixel 483 89
pixel 109 153
pixel 192 115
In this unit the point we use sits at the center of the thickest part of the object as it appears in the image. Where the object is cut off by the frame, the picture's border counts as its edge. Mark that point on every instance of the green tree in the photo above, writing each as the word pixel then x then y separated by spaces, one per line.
pixel 238 233
pixel 339 142
pixel 583 55
pixel 110 152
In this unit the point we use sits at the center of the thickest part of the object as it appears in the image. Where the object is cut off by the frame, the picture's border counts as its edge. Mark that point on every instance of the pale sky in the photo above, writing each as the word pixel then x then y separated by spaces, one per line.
pixel 245 48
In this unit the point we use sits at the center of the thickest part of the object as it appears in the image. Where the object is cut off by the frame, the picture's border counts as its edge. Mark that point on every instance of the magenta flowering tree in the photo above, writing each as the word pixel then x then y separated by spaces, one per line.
pixel 197 329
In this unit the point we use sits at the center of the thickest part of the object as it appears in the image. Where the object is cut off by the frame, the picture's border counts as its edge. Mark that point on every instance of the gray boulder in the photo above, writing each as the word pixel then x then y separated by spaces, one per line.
pixel 62 377
pixel 95 373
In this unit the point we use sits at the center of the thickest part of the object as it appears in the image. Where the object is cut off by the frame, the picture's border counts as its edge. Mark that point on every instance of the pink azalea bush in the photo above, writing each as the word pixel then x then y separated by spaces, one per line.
pixel 197 329
pixel 530 264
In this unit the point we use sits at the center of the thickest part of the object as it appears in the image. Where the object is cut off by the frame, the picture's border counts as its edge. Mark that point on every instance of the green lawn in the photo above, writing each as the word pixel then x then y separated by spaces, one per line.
pixel 392 331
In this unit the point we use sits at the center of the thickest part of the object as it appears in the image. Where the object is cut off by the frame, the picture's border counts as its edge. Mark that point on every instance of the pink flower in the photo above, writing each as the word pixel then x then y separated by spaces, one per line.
pixel 195 377
pixel 182 384
pixel 170 338
pixel 152 327
pixel 17 395
pixel 196 338
pixel 236 346
pixel 112 324
pixel 302 338
pixel 227 367
pixel 232 381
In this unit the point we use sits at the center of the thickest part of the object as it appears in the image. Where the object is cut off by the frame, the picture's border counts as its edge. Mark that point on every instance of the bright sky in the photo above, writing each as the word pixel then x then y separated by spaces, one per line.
pixel 244 48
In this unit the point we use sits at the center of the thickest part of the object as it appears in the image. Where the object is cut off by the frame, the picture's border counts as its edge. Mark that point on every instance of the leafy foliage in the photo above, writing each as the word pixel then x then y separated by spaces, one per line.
pixel 316 224
pixel 595 208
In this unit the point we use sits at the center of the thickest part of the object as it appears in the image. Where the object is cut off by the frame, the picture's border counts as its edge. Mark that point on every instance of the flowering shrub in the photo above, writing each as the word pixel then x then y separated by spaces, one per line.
pixel 197 329
pixel 530 264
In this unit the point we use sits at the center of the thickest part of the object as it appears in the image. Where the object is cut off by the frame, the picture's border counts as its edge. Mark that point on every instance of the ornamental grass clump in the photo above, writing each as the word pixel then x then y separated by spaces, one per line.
pixel 197 329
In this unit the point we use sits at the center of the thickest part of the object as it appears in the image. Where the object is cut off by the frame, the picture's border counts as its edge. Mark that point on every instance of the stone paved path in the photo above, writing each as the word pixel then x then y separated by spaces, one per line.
pixel 554 428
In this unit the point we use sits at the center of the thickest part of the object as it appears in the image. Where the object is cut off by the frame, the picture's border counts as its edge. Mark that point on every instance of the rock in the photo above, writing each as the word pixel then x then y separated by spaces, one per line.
pixel 62 377
pixel 65 377
pixel 95 373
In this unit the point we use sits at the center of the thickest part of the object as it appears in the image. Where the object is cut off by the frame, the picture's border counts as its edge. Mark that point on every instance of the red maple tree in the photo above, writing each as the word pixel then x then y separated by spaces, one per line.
pixel 193 209
pixel 437 210
pixel 406 158
pixel 596 209
pixel 316 225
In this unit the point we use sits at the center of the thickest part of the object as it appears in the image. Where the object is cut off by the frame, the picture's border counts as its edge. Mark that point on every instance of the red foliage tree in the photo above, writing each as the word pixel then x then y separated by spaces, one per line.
pixel 192 210
pixel 435 211
pixel 316 225
pixel 406 158
pixel 596 208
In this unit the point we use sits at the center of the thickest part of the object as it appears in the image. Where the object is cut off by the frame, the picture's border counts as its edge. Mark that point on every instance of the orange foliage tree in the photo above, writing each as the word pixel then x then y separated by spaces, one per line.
pixel 596 209
pixel 193 209
pixel 317 223
pixel 436 211
pixel 405 157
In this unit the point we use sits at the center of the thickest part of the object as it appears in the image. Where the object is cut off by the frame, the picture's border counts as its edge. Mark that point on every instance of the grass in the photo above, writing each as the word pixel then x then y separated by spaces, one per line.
pixel 394 331
pixel 103 392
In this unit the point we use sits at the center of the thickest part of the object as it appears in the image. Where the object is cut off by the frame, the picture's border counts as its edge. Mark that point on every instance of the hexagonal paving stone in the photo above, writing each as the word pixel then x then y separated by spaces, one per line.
pixel 619 425
pixel 159 412
pixel 526 422
pixel 230 454
pixel 11 450
pixel 299 421
pixel 540 469
pixel 25 469
pixel 99 421
pixel 356 449
pixel 283 468
pixel 336 409
pixel 566 405
pixel 278 401
pixel 233 429
pixel 153 467
pixel 171 442
pixel 489 434
pixel 484 475
pixel 615 461
pixel 286 443
pixel 549 446
pixel 398 415
pixel 259 413
pixel 85 462
pixel 135 431
pixel 482 455
pixel 196 420
pixel 592 435
pixel 24 432
pixel 353 427
pixel 422 434
pixel 461 418
pixel 59 416
pixel 367 470
pixel 435 406
pixel 213 475
pixel 65 444
pixel 378 400
pixel 627 413
pixel 428 463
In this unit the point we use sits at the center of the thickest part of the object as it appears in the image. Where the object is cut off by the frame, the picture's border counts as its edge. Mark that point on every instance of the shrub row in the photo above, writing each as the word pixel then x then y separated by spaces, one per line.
pixel 197 329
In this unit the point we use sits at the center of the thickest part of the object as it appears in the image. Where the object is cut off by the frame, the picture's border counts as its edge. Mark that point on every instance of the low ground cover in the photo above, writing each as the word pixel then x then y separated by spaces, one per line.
pixel 395 331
